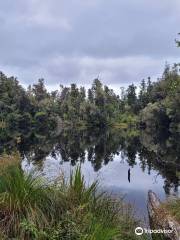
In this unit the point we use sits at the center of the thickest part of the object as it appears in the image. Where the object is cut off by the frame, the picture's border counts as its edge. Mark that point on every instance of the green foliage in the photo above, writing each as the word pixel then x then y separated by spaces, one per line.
pixel 163 110
pixel 154 115
pixel 78 191
pixel 98 109
pixel 22 196
pixel 128 118
pixel 30 209
pixel 32 230
pixel 172 208
pixel 132 98
pixel 20 109
pixel 36 108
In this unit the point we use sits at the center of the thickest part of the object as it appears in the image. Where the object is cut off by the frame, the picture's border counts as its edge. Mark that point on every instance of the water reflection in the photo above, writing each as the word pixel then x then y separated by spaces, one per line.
pixel 129 162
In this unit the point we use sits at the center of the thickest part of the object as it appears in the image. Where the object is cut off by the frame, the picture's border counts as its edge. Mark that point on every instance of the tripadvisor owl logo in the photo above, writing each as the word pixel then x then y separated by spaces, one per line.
pixel 139 231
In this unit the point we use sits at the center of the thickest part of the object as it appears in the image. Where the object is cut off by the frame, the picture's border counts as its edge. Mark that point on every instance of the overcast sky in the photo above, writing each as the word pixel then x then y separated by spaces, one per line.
pixel 65 41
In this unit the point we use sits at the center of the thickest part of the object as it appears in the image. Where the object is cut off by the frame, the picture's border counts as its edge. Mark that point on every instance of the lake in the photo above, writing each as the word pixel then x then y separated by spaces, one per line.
pixel 127 163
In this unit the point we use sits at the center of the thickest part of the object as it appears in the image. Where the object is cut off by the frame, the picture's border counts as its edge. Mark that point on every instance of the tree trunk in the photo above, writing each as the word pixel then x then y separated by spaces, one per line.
pixel 159 219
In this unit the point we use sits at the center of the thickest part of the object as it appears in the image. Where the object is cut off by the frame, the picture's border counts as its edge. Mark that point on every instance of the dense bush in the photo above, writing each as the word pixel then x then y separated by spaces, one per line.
pixel 156 103
pixel 33 209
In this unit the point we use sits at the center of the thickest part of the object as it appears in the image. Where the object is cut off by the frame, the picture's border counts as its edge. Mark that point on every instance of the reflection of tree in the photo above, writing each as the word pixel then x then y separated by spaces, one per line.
pixel 131 150
pixel 156 151
pixel 101 146
pixel 161 151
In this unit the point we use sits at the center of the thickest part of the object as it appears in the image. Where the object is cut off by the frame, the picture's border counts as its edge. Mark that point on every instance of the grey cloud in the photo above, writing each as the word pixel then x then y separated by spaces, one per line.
pixel 76 40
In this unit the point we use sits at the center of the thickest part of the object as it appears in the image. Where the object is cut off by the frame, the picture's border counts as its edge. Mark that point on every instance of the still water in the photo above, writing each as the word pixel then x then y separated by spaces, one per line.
pixel 112 177
pixel 126 163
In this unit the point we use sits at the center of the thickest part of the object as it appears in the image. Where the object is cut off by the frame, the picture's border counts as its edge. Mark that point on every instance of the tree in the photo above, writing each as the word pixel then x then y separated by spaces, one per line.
pixel 132 98
pixel 39 90
pixel 142 95
pixel 90 96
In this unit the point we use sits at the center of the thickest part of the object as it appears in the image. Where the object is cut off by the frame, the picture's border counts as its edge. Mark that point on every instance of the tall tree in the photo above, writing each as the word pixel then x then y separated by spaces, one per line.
pixel 132 98
pixel 39 90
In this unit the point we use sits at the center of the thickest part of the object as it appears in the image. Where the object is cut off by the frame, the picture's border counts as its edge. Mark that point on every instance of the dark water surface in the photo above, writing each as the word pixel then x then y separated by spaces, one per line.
pixel 113 177
pixel 126 163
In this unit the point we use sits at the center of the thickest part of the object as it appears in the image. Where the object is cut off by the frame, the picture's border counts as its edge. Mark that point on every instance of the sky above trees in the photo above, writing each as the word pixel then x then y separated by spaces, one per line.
pixel 121 41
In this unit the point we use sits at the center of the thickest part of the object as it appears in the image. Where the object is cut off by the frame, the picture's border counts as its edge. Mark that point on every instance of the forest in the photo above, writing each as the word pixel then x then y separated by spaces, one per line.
pixel 153 104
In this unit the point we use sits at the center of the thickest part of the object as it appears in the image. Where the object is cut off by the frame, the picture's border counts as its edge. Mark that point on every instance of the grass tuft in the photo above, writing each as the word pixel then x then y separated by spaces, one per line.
pixel 32 209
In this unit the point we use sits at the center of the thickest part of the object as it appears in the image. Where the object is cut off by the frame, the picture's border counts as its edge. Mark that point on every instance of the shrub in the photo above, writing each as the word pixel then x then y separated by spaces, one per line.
pixel 66 210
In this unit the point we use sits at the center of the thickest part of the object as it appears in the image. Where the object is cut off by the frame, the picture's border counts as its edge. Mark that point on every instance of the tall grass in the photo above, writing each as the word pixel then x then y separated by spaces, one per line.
pixel 68 210
pixel 22 197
